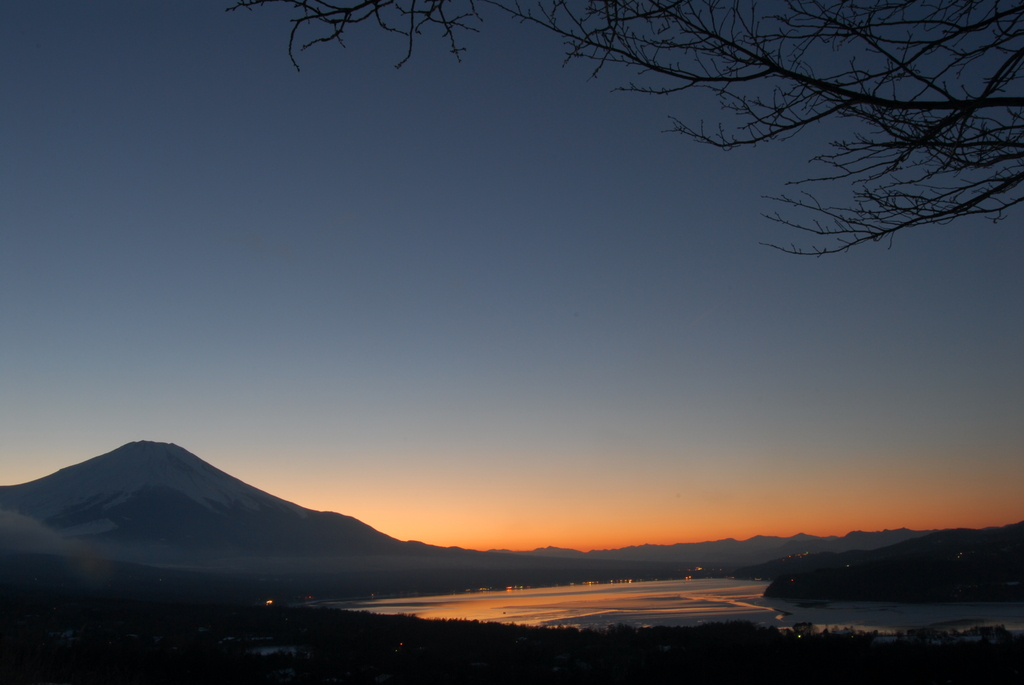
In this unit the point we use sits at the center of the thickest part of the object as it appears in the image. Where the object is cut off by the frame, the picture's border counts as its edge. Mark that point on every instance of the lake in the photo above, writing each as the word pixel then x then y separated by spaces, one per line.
pixel 684 603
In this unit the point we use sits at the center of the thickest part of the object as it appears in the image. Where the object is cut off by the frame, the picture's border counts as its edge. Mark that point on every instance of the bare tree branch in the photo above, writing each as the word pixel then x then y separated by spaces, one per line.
pixel 326 22
pixel 931 89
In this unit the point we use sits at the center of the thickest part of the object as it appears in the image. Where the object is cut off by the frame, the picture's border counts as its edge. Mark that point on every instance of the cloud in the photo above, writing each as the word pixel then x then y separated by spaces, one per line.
pixel 22 534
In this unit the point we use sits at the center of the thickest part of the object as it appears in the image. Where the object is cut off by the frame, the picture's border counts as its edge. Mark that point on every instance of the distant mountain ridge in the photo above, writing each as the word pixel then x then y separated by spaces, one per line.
pixel 729 553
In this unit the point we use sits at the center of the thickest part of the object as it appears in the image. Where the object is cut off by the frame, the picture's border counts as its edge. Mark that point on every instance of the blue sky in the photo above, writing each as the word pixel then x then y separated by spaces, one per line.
pixel 487 303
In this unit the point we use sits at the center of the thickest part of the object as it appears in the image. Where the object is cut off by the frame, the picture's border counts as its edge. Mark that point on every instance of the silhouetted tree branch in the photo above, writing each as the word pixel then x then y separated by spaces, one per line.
pixel 326 22
pixel 931 89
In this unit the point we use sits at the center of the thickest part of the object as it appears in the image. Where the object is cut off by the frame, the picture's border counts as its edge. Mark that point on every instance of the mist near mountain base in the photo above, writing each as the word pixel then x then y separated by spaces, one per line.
pixel 22 534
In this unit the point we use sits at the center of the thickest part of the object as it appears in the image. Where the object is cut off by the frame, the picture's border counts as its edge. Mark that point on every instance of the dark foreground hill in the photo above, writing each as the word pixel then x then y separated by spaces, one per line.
pixel 959 565
pixel 85 642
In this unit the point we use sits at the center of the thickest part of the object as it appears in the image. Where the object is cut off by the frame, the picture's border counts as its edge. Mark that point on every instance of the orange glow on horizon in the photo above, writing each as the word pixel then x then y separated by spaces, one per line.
pixel 455 527
pixel 587 543
pixel 608 510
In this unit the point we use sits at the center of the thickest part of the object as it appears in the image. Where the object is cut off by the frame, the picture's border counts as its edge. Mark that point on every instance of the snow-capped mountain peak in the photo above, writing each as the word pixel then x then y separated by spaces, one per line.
pixel 113 478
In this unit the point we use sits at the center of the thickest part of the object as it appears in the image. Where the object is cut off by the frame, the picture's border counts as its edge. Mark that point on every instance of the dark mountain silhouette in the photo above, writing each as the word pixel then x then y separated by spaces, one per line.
pixel 118 523
pixel 958 565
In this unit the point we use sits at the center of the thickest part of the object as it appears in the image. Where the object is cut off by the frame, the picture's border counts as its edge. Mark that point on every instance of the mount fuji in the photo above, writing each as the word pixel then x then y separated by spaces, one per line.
pixel 157 502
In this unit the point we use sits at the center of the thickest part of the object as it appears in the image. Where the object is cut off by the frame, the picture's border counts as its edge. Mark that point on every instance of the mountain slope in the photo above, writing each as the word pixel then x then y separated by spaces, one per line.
pixel 113 478
pixel 960 565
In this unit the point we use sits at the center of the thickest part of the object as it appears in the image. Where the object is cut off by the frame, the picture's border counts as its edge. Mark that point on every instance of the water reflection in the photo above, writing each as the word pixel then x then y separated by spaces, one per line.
pixel 684 603
pixel 652 603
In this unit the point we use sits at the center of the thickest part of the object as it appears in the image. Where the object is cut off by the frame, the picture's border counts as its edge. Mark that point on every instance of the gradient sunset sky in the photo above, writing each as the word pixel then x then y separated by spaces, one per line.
pixel 488 304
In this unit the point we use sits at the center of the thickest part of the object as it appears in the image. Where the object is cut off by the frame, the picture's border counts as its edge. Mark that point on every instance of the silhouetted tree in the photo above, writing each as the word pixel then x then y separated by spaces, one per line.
pixel 930 89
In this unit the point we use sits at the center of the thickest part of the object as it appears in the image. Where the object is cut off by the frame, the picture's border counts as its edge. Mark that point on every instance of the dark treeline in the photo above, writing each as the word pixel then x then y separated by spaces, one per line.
pixel 95 577
pixel 84 641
